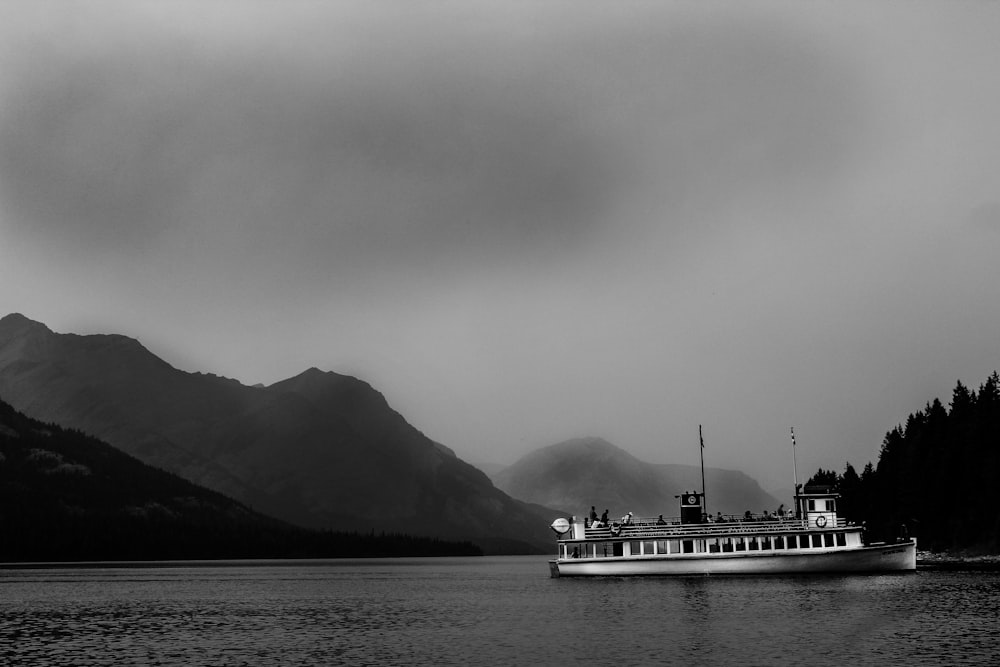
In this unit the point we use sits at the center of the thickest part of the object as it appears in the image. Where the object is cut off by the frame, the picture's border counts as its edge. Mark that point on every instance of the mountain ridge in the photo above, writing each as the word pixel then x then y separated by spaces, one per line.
pixel 320 449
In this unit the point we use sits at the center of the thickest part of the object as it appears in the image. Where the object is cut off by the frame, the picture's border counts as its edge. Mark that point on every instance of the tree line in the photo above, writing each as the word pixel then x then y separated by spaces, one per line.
pixel 936 476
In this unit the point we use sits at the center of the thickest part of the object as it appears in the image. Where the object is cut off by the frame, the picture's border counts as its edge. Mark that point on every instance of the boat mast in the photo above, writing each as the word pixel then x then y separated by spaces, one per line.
pixel 795 476
pixel 704 500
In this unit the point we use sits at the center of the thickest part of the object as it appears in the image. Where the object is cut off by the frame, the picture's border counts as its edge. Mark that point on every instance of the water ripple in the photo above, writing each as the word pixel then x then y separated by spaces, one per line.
pixel 485 611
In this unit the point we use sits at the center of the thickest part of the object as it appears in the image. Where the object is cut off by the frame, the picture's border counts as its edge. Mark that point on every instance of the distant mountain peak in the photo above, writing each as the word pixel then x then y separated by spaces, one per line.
pixel 16 323
pixel 577 473
pixel 591 447
pixel 313 379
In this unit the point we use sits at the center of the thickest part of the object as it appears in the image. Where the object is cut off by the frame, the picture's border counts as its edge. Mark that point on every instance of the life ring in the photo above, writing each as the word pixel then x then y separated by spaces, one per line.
pixel 821 521
pixel 615 530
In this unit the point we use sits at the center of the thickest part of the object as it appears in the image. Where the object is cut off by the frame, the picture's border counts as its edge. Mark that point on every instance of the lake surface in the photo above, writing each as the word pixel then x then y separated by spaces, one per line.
pixel 487 611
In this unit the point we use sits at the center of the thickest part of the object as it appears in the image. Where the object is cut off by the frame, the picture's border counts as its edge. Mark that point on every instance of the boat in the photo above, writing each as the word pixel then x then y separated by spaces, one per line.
pixel 811 538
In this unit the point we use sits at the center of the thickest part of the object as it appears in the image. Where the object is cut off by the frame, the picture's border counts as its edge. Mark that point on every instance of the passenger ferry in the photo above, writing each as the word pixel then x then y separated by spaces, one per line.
pixel 810 539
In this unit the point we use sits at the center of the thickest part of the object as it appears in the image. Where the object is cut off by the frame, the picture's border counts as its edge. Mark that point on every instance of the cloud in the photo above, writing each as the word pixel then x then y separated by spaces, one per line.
pixel 427 142
pixel 111 148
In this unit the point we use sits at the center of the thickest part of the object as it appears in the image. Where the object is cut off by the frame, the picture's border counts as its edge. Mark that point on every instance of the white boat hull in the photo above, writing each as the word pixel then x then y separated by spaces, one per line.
pixel 900 557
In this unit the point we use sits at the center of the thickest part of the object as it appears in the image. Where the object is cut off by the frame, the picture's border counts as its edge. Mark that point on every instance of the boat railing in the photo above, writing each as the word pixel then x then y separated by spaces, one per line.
pixel 652 529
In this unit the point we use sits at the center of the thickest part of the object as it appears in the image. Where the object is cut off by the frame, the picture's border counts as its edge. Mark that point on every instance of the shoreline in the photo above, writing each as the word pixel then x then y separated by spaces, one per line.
pixel 945 561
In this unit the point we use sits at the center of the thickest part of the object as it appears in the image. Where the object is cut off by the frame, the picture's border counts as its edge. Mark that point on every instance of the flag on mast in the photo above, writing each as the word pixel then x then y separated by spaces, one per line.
pixel 795 476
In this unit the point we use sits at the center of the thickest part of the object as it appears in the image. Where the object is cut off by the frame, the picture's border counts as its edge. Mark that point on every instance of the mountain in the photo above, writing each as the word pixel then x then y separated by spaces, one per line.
pixel 320 450
pixel 576 474
pixel 66 496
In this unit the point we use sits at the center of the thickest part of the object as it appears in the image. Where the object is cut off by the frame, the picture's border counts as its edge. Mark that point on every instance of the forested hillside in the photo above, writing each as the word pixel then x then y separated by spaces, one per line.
pixel 936 474
pixel 65 496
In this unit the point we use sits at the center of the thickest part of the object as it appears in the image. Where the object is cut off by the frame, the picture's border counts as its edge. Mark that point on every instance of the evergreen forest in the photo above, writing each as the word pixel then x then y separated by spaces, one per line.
pixel 66 496
pixel 936 477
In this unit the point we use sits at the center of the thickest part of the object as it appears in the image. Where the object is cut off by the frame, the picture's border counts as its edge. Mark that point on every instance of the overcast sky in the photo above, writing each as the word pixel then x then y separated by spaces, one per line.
pixel 525 222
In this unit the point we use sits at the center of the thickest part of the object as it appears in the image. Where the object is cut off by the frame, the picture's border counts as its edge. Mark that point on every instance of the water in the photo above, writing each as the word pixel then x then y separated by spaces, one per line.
pixel 487 611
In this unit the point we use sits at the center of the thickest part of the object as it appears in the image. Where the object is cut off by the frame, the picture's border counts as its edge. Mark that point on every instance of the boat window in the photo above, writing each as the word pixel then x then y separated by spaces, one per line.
pixel 647 548
pixel 739 544
pixel 688 546
pixel 765 542
pixel 617 548
pixel 812 505
pixel 661 547
pixel 727 544
pixel 634 548
pixel 841 540
pixel 699 546
pixel 831 505
pixel 793 542
pixel 779 543
pixel 817 540
pixel 675 546
pixel 828 539
pixel 603 549
pixel 713 545
pixel 753 544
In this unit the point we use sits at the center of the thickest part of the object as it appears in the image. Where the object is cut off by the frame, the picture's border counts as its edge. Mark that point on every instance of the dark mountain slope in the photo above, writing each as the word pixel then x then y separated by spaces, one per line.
pixel 321 450
pixel 576 474
pixel 65 496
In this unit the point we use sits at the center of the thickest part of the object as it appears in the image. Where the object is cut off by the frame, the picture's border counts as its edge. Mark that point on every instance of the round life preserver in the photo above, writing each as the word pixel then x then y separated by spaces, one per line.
pixel 820 521
pixel 692 500
pixel 616 529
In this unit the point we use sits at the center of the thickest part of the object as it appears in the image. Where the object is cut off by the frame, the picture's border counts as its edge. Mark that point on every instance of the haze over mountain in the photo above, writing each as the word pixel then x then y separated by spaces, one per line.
pixel 576 474
pixel 319 450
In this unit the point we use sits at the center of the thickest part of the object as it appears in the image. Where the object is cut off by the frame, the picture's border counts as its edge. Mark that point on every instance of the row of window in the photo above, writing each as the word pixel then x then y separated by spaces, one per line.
pixel 707 545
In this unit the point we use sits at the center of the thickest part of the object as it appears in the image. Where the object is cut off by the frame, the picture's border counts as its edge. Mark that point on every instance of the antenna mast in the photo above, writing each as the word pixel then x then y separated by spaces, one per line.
pixel 704 500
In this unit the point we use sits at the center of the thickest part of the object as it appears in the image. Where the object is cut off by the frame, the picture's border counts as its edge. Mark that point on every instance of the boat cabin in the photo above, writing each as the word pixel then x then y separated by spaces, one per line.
pixel 692 507
pixel 817 505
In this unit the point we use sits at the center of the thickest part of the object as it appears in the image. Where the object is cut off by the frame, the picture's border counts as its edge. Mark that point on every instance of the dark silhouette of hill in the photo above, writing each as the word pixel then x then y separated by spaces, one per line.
pixel 576 474
pixel 66 496
pixel 936 477
pixel 319 450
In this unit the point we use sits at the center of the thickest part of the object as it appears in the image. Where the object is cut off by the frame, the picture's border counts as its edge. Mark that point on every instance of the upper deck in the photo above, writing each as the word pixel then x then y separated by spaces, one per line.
pixel 673 528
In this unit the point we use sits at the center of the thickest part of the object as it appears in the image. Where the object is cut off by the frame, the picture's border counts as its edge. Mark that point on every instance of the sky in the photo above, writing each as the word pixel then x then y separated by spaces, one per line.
pixel 525 222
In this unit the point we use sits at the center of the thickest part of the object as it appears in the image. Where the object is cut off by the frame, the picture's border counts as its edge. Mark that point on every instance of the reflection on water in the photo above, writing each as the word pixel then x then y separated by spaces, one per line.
pixel 486 611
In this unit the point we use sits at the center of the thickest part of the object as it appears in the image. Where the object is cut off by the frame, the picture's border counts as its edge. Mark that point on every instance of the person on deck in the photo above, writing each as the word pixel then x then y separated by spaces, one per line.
pixel 604 518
